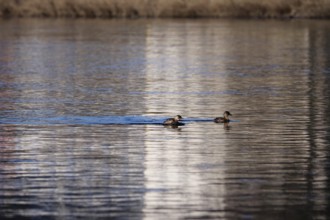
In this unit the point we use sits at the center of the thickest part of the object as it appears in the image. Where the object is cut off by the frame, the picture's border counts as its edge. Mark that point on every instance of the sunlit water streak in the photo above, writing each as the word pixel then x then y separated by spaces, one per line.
pixel 82 104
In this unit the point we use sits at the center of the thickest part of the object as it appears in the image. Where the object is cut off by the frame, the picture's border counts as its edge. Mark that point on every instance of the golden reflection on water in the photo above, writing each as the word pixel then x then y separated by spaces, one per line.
pixel 176 67
pixel 173 167
pixel 174 172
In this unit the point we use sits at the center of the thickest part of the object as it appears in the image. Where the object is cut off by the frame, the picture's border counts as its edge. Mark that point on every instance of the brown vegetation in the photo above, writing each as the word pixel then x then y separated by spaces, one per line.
pixel 165 8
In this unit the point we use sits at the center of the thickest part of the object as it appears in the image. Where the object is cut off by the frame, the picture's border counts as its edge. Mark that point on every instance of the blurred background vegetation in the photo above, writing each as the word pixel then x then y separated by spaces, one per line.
pixel 166 8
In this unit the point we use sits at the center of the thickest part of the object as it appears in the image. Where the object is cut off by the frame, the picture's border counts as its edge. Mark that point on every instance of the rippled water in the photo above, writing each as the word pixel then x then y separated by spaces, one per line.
pixel 82 102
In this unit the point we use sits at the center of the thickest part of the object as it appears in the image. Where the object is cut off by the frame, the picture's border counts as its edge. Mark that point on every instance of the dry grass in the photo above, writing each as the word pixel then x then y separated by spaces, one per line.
pixel 165 8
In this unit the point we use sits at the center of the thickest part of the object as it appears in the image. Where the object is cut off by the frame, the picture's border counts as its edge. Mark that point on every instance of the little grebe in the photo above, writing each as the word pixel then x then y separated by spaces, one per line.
pixel 224 119
pixel 173 121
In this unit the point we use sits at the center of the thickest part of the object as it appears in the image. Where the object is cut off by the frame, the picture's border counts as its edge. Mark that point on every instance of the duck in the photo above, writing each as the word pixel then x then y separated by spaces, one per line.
pixel 174 121
pixel 224 119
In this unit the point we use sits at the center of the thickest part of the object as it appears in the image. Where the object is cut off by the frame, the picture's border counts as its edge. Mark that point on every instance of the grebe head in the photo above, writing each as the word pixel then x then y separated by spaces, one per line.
pixel 226 114
pixel 177 118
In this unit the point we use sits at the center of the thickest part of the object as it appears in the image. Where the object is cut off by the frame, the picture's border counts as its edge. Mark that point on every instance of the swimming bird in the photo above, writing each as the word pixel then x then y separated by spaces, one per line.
pixel 173 121
pixel 224 119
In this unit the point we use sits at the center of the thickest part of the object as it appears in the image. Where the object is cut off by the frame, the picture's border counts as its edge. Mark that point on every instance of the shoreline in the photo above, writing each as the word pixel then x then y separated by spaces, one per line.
pixel 258 9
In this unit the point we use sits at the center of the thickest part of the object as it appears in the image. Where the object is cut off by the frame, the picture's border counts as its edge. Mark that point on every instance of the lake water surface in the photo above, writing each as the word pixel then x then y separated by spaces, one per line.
pixel 82 102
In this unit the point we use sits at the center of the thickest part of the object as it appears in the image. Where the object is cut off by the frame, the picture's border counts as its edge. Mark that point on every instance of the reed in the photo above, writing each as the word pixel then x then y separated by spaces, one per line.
pixel 165 8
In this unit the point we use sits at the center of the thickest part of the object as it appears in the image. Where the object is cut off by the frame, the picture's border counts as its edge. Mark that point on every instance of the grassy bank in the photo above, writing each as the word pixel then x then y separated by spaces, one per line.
pixel 165 8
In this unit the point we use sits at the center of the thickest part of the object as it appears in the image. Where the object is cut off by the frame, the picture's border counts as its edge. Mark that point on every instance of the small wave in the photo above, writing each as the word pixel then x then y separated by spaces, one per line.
pixel 97 120
pixel 104 120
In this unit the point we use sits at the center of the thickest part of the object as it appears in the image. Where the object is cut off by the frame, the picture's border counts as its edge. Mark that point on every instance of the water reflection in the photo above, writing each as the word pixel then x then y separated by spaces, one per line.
pixel 82 104
pixel 86 173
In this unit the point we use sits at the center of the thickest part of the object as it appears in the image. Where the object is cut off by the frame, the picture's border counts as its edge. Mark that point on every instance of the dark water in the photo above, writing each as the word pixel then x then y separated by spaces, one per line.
pixel 81 102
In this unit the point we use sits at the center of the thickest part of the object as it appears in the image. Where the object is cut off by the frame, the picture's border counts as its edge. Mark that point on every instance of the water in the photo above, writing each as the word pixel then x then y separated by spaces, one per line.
pixel 82 102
